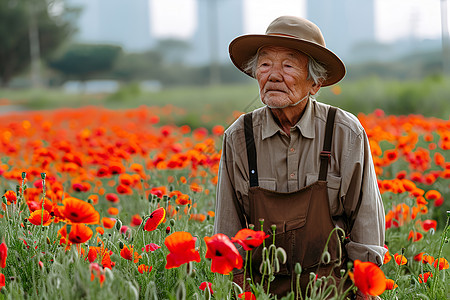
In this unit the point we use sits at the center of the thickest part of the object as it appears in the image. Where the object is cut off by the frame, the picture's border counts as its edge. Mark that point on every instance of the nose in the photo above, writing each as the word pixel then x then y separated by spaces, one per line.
pixel 275 74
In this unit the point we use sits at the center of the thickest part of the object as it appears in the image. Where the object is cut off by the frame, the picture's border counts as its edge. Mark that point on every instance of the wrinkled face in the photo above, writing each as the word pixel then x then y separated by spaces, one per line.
pixel 281 74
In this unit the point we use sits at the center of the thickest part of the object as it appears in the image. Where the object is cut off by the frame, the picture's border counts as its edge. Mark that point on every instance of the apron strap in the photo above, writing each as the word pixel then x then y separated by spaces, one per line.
pixel 325 155
pixel 251 149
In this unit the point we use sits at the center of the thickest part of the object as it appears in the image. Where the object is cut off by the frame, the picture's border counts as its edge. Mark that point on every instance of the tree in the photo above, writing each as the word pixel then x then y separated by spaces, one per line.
pixel 81 61
pixel 53 28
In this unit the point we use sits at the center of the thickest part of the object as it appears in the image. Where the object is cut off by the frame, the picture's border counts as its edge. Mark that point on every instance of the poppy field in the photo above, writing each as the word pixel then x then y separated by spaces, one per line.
pixel 119 204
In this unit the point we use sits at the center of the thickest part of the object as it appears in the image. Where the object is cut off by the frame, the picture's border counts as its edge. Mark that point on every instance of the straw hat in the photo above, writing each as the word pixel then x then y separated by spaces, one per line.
pixel 290 32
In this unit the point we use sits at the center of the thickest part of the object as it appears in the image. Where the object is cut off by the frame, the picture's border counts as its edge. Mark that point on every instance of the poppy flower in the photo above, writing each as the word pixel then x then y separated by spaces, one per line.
pixel 136 220
pixel 432 195
pixel 96 271
pixel 79 233
pixel 182 249
pixel 368 278
pixel 443 264
pixel 247 296
pixel 206 284
pixel 92 254
pixel 418 257
pixel 124 189
pixel 390 284
pixel 113 211
pixel 79 211
pixel 387 256
pixel 438 202
pixel 427 259
pixel 111 197
pixel 150 247
pixel 225 257
pixel 11 197
pixel 249 239
pixel 144 268
pixel 423 278
pixel 36 217
pixel 130 254
pixel 400 259
pixel 108 222
pixel 415 236
pixel 2 280
pixel 100 230
pixel 155 218
pixel 3 254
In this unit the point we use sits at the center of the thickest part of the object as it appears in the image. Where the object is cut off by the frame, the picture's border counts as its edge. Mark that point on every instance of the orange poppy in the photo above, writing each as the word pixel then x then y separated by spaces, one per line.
pixel 36 217
pixel 368 278
pixel 79 211
pixel 415 236
pixel 423 278
pixel 387 256
pixel 130 254
pixel 155 218
pixel 108 222
pixel 443 264
pixel 136 220
pixel 432 195
pixel 79 233
pixel 10 196
pixel 249 239
pixel 182 249
pixel 427 259
pixel 113 211
pixel 3 255
pixel 94 198
pixel 124 189
pixel 224 255
pixel 418 257
pixel 100 230
pixel 144 268
pixel 390 284
pixel 400 259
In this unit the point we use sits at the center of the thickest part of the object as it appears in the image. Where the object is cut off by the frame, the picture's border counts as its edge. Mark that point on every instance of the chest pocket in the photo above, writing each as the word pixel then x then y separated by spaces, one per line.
pixel 334 187
pixel 268 184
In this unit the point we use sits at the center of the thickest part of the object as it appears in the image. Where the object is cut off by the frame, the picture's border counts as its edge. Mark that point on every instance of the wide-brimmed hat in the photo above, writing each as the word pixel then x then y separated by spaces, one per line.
pixel 290 32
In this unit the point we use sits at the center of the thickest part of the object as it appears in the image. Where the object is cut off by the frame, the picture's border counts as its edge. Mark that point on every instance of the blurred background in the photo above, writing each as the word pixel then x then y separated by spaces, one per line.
pixel 117 53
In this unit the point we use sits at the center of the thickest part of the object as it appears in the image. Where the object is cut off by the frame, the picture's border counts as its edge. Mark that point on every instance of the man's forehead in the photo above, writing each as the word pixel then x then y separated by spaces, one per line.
pixel 270 50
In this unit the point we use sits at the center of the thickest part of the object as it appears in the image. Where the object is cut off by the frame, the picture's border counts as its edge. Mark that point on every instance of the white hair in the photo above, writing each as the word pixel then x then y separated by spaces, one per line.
pixel 316 71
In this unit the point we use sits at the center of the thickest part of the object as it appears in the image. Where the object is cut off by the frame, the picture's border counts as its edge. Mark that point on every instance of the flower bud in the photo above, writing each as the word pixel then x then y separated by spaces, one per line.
pixel 24 174
pixel 281 254
pixel 251 226
pixel 274 228
pixel 326 257
pixel 168 229
pixel 298 269
pixel 43 175
pixel 172 222
pixel 121 245
pixel 118 224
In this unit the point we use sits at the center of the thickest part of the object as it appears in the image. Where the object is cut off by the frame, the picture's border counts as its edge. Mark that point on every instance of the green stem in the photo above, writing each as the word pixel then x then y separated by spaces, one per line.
pixel 436 268
pixel 245 270
pixel 397 273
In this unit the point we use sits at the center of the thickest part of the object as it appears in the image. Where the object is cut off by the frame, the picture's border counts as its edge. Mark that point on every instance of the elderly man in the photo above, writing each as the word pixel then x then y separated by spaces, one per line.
pixel 301 165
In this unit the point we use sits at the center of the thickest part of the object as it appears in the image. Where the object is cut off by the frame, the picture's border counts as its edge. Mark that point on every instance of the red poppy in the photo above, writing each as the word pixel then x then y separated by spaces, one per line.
pixel 432 195
pixel 124 189
pixel 36 218
pixel 443 263
pixel 428 224
pixel 400 259
pixel 249 239
pixel 3 254
pixel 368 278
pixel 204 285
pixel 144 268
pixel 427 259
pixel 111 197
pixel 79 233
pixel 438 202
pixel 2 280
pixel 150 247
pixel 11 197
pixel 423 278
pixel 96 271
pixel 136 220
pixel 92 254
pixel 415 236
pixel 130 254
pixel 155 218
pixel 79 211
pixel 247 296
pixel 182 249
pixel 418 257
pixel 225 257
pixel 390 284
pixel 387 256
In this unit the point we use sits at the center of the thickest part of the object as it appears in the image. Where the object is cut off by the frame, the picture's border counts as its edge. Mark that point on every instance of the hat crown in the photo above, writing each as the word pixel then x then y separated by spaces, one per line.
pixel 296 27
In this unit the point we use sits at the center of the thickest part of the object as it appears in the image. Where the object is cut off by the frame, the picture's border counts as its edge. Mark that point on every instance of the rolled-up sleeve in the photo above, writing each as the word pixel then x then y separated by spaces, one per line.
pixel 227 219
pixel 360 184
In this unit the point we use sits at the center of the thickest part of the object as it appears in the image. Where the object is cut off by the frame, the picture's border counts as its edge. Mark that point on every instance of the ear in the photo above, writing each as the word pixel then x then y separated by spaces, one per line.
pixel 315 88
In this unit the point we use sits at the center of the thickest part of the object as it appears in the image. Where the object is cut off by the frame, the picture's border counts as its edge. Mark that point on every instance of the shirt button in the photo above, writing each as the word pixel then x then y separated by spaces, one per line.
pixel 292 175
pixel 292 149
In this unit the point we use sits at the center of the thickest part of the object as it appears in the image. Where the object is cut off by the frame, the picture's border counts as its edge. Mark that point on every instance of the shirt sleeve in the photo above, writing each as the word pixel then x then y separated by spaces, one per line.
pixel 227 214
pixel 367 234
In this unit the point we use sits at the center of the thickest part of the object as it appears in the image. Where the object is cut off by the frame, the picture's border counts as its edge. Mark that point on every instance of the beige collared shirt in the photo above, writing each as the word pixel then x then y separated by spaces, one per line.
pixel 288 163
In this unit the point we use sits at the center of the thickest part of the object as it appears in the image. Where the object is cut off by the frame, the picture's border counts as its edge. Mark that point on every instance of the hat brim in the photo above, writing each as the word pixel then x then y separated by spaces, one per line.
pixel 244 47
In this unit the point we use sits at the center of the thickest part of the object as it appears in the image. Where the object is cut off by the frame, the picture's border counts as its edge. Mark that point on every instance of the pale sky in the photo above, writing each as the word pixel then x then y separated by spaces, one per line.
pixel 394 18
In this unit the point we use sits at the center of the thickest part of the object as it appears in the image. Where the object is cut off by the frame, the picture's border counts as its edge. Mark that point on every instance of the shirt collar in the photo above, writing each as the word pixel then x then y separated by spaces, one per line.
pixel 306 123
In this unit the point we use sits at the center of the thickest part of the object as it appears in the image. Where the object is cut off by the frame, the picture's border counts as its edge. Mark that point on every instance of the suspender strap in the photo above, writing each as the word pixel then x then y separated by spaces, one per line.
pixel 325 155
pixel 251 149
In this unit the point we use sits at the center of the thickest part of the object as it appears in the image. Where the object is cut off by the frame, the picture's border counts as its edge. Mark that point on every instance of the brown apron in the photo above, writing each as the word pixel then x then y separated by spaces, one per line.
pixel 302 218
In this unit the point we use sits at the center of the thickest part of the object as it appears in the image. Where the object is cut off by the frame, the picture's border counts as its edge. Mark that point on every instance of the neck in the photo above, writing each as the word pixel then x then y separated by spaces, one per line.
pixel 289 116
